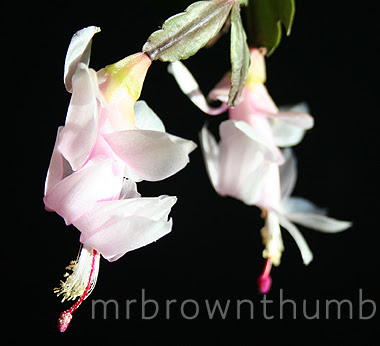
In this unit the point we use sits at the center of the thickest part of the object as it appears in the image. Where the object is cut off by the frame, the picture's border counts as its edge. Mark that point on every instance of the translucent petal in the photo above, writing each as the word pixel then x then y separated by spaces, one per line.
pixel 115 227
pixel 79 51
pixel 78 137
pixel 288 174
pixel 211 154
pixel 151 155
pixel 146 119
pixel 77 193
pixel 306 253
pixel 126 235
pixel 59 168
pixel 319 222
pixel 190 88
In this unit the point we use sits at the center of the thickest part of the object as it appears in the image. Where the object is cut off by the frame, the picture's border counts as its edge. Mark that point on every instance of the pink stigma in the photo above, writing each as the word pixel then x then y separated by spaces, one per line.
pixel 66 316
pixel 264 282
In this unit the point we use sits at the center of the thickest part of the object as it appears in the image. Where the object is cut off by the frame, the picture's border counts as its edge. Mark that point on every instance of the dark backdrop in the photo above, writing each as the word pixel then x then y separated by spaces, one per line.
pixel 214 249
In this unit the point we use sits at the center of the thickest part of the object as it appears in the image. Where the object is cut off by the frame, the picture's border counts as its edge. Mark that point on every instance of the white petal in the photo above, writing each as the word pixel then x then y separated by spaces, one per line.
pixel 306 253
pixel 59 168
pixel 127 235
pixel 244 161
pixel 77 193
pixel 146 119
pixel 190 88
pixel 289 125
pixel 302 205
pixel 211 154
pixel 151 155
pixel 129 190
pixel 79 51
pixel 271 153
pixel 286 134
pixel 116 227
pixel 319 222
pixel 78 137
pixel 288 174
pixel 105 213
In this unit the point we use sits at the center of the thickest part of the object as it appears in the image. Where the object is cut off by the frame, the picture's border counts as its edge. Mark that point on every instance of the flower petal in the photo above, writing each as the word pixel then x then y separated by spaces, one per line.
pixel 211 154
pixel 151 155
pixel 146 119
pixel 244 161
pixel 302 205
pixel 105 213
pixel 78 137
pixel 306 253
pixel 190 88
pixel 76 194
pixel 297 115
pixel 115 227
pixel 79 51
pixel 288 174
pixel 289 125
pixel 127 235
pixel 59 168
pixel 319 222
pixel 221 90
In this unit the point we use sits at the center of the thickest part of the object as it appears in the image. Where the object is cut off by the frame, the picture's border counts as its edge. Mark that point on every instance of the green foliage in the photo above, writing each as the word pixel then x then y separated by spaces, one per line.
pixel 264 20
pixel 240 58
pixel 183 34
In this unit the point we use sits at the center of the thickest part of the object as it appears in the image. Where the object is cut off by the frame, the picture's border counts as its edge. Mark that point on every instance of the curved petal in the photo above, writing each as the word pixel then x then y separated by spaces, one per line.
pixel 146 119
pixel 306 253
pixel 288 174
pixel 261 101
pixel 286 134
pixel 59 168
pixel 76 194
pixel 126 235
pixel 104 214
pixel 244 161
pixel 301 205
pixel 211 154
pixel 78 137
pixel 290 123
pixel 297 115
pixel 221 90
pixel 319 222
pixel 79 51
pixel 151 155
pixel 129 189
pixel 116 227
pixel 190 88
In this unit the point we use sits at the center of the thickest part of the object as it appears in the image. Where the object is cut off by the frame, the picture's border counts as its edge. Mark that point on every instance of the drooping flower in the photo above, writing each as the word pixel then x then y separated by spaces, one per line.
pixel 246 163
pixel 242 166
pixel 109 142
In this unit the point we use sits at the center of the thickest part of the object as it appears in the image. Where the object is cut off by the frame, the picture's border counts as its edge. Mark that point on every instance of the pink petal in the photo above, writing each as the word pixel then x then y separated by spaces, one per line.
pixel 79 135
pixel 127 235
pixel 151 155
pixel 59 168
pixel 76 194
pixel 115 227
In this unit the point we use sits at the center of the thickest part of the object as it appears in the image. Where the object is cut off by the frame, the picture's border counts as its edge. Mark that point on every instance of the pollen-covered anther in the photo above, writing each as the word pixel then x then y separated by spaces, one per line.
pixel 80 283
pixel 76 282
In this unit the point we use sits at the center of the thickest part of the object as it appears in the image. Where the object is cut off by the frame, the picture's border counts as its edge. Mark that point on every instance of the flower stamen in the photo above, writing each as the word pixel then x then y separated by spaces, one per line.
pixel 66 316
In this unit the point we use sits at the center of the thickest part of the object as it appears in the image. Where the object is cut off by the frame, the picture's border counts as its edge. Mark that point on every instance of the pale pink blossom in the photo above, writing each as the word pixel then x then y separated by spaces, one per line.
pixel 109 142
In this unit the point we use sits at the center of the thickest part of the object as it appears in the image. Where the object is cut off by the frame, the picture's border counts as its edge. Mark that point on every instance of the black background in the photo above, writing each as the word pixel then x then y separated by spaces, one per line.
pixel 214 249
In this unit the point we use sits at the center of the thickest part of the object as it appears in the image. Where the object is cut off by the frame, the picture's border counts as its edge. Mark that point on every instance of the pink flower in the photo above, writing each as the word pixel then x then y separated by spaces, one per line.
pixel 247 164
pixel 109 142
